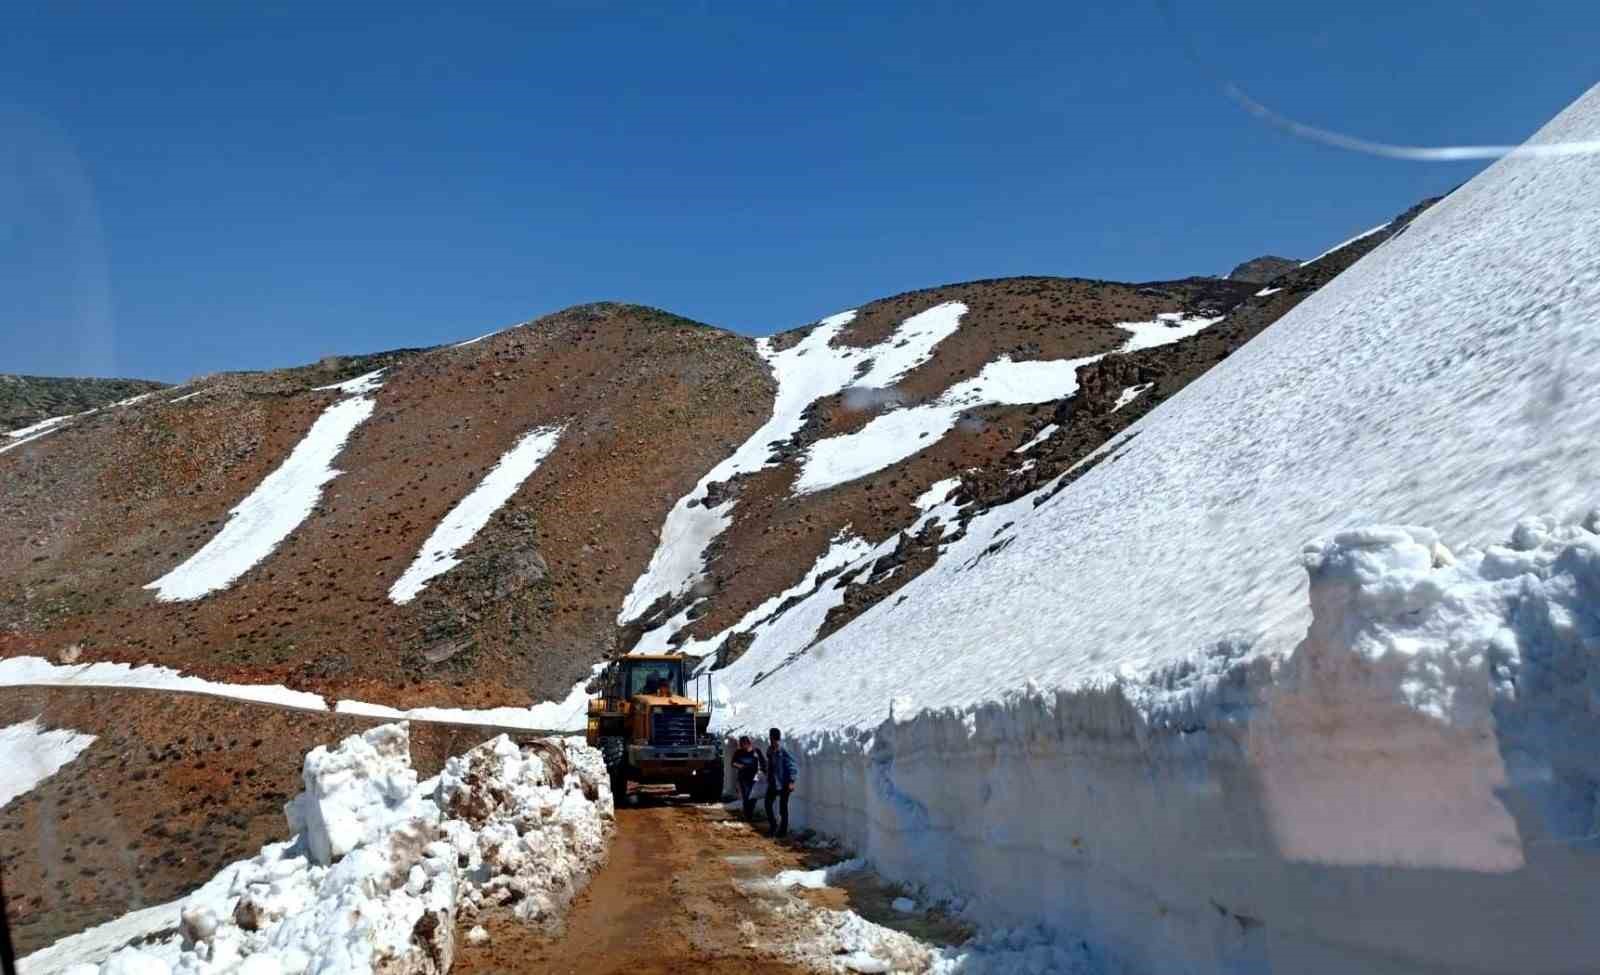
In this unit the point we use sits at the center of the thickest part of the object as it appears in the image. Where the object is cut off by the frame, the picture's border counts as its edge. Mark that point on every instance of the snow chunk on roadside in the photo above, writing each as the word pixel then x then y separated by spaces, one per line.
pixel 821 877
pixel 354 793
pixel 29 754
pixel 468 517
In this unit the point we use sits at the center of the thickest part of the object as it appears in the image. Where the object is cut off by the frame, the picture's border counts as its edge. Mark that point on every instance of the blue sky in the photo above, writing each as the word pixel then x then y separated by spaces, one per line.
pixel 193 187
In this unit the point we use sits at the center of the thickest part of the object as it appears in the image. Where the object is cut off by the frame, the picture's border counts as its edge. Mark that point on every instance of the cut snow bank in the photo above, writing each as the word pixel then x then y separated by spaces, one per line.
pixel 468 517
pixel 278 505
pixel 383 869
pixel 29 754
pixel 1412 789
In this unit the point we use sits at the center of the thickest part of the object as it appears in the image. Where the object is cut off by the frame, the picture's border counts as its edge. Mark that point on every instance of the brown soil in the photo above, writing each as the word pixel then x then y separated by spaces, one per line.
pixel 670 900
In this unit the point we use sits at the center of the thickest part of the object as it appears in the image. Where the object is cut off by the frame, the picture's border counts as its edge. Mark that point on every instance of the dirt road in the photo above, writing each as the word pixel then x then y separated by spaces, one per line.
pixel 683 891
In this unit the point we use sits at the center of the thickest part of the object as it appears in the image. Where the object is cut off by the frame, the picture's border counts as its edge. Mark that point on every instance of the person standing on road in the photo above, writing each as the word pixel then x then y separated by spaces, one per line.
pixel 780 783
pixel 747 762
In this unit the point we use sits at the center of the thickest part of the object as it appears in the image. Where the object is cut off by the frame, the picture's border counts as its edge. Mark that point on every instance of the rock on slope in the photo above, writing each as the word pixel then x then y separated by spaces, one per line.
pixel 1372 759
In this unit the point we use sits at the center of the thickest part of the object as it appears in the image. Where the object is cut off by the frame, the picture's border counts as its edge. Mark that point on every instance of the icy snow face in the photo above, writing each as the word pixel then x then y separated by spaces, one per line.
pixel 810 370
pixel 501 824
pixel 29 754
pixel 468 517
pixel 278 505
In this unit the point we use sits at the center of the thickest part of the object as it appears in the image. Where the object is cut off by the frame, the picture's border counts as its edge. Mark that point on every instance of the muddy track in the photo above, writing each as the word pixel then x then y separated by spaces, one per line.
pixel 669 899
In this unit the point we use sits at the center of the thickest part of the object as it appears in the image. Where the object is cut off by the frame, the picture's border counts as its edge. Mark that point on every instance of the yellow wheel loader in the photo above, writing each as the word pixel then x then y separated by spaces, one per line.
pixel 652 729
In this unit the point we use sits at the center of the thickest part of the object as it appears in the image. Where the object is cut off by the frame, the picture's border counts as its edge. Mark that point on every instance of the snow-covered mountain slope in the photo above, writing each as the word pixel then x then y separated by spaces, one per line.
pixel 1248 714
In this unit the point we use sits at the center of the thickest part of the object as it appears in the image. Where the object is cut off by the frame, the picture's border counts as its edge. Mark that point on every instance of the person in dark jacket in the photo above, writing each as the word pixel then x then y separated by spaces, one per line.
pixel 780 783
pixel 747 763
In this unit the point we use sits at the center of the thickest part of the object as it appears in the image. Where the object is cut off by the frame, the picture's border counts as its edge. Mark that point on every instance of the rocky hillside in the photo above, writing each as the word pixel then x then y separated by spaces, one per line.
pixel 25 400
pixel 355 527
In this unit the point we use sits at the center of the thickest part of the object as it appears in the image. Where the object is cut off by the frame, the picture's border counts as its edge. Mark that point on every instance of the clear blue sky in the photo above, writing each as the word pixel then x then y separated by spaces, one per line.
pixel 194 187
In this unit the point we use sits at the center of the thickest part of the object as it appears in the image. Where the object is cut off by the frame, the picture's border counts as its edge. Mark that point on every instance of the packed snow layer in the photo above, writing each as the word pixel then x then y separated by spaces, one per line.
pixel 278 505
pixel 379 875
pixel 1374 760
pixel 29 754
pixel 468 517
pixel 810 370
pixel 564 715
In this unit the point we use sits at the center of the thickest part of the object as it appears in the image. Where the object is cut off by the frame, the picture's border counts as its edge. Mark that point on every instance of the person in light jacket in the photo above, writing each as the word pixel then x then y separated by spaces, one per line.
pixel 780 783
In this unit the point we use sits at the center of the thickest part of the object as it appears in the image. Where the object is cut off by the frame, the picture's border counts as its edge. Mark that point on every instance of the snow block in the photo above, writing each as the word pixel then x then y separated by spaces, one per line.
pixel 353 792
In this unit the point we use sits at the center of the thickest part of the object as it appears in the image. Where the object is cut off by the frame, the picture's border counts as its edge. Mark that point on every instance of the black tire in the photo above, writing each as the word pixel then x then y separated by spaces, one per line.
pixel 619 784
pixel 708 788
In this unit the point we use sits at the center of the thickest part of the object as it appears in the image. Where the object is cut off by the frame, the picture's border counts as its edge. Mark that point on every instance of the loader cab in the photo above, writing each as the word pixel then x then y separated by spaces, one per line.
pixel 659 677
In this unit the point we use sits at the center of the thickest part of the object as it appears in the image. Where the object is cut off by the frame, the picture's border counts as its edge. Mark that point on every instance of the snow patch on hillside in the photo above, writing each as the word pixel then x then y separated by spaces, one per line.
pixel 29 754
pixel 365 383
pixel 891 437
pixel 383 868
pixel 37 672
pixel 1346 243
pixel 1045 433
pixel 468 517
pixel 1168 327
pixel 1130 394
pixel 277 506
pixel 810 370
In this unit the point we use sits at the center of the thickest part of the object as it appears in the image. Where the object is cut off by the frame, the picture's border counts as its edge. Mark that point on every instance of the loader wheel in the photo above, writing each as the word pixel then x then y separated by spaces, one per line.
pixel 708 788
pixel 619 784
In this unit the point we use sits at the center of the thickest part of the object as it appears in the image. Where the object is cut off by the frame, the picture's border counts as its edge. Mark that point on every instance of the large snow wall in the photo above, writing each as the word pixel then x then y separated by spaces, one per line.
pixel 1137 719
